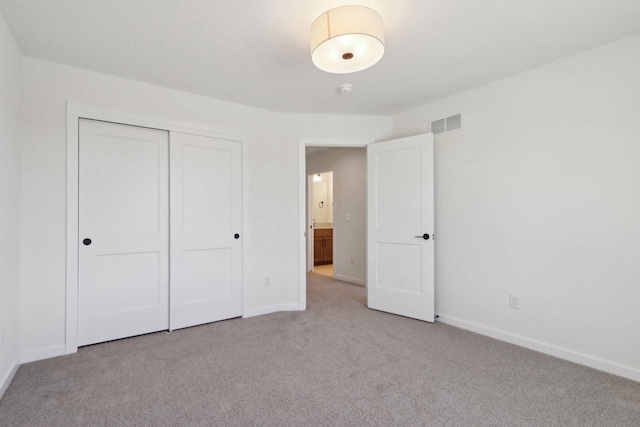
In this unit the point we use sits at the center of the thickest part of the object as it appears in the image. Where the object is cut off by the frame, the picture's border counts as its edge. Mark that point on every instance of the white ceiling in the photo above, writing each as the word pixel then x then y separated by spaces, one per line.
pixel 256 52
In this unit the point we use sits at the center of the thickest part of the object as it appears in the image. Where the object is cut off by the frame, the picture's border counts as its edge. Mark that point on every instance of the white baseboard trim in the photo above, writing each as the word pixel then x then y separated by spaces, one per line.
pixel 349 279
pixel 272 309
pixel 562 353
pixel 4 382
pixel 43 353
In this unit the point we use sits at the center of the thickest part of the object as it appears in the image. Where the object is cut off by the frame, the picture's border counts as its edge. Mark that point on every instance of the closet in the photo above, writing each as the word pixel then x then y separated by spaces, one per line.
pixel 159 229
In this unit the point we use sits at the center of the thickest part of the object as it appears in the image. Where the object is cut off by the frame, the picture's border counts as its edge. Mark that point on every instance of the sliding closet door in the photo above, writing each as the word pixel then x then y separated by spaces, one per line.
pixel 124 231
pixel 206 270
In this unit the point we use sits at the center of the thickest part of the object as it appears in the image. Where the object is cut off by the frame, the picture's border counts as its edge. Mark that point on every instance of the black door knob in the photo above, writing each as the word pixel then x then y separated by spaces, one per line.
pixel 425 236
pixel 236 236
pixel 86 242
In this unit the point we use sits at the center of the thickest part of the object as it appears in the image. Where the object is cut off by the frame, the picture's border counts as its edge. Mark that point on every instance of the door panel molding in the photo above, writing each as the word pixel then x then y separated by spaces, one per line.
pixel 76 111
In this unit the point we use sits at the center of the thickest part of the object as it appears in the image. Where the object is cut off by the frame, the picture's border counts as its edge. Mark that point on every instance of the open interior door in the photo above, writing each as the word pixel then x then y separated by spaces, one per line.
pixel 400 246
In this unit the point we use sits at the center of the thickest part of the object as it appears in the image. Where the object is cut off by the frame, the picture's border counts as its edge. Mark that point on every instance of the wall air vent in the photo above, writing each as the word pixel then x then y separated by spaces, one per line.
pixel 447 124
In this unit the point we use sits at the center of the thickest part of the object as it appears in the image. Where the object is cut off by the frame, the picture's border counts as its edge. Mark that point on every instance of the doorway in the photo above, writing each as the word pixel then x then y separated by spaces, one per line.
pixel 321 211
pixel 336 212
pixel 398 210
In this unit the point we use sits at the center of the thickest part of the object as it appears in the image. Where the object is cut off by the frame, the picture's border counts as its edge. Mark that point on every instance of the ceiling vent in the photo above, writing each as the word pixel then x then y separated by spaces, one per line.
pixel 447 124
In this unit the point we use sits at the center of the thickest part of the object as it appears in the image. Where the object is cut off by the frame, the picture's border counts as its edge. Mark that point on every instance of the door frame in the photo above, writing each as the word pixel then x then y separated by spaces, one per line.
pixel 77 111
pixel 303 142
pixel 309 218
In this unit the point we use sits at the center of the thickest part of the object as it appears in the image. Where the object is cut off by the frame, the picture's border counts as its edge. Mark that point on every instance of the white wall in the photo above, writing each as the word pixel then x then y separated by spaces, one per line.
pixel 323 196
pixel 9 203
pixel 349 166
pixel 539 196
pixel 270 183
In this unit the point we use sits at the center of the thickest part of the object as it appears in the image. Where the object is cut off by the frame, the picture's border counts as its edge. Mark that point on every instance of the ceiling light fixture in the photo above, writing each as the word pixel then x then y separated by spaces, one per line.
pixel 347 39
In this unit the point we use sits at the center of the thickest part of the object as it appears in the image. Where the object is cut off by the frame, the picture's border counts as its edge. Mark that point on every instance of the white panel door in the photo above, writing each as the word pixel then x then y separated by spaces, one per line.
pixel 400 248
pixel 206 214
pixel 124 231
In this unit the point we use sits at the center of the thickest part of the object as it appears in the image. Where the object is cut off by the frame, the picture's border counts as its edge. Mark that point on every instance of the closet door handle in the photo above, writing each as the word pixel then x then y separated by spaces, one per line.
pixel 425 236
pixel 236 236
pixel 86 242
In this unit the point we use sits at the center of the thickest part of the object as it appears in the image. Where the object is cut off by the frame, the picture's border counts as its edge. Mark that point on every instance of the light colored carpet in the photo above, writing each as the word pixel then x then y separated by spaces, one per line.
pixel 338 363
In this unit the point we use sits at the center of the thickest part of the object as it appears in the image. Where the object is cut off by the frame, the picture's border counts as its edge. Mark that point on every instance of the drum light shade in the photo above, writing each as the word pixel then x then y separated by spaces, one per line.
pixel 347 39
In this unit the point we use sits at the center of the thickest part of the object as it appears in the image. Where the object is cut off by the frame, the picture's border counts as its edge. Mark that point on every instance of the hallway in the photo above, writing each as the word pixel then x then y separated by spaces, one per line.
pixel 325 270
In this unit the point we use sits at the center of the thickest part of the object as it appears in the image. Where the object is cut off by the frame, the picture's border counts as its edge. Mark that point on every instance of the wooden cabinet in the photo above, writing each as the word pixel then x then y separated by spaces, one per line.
pixel 322 246
pixel 318 250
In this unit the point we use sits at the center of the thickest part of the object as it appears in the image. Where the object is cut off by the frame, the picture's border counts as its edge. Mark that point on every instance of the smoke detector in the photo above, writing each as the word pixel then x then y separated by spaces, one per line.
pixel 345 89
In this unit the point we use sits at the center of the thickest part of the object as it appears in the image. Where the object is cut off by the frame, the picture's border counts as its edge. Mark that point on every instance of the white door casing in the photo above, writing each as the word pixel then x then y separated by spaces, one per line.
pixel 206 209
pixel 123 210
pixel 400 261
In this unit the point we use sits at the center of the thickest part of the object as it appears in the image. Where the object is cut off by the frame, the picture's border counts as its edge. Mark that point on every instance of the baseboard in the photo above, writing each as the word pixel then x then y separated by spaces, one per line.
pixel 271 309
pixel 44 353
pixel 4 383
pixel 349 279
pixel 552 350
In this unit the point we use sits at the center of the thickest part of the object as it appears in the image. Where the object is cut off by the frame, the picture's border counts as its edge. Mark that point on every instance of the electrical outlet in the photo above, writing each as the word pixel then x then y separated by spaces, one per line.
pixel 514 301
pixel 348 216
pixel 267 282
